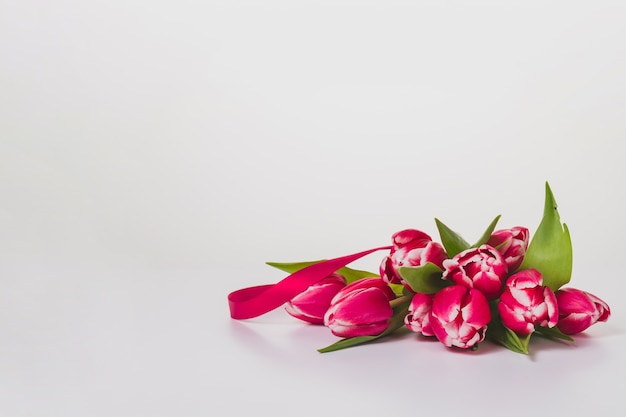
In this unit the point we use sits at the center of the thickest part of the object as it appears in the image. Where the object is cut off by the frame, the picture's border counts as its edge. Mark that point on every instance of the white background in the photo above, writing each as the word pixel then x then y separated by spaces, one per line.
pixel 153 155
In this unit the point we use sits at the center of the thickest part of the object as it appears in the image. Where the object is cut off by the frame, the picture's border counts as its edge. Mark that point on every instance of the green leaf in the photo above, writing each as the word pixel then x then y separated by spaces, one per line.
pixel 485 237
pixel 397 321
pixel 398 289
pixel 550 250
pixel 425 278
pixel 349 274
pixel 552 333
pixel 499 333
pixel 292 267
pixel 452 242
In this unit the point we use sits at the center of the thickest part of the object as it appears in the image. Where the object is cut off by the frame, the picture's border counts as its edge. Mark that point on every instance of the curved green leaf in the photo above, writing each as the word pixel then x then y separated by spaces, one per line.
pixel 552 333
pixel 349 274
pixel 485 237
pixel 499 333
pixel 452 242
pixel 550 250
pixel 425 278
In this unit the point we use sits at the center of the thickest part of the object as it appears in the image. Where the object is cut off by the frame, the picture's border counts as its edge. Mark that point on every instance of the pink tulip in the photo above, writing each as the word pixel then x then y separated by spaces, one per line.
pixel 360 309
pixel 418 318
pixel 482 268
pixel 459 316
pixel 579 309
pixel 311 304
pixel 525 303
pixel 410 248
pixel 512 244
pixel 412 238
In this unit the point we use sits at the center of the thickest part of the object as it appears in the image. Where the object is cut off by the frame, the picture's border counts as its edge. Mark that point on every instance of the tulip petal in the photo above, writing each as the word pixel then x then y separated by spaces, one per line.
pixel 572 300
pixel 311 304
pixel 364 306
pixel 514 320
pixel 418 317
pixel 476 312
pixel 482 268
pixel 410 237
pixel 552 306
pixel 371 329
pixel 601 306
pixel 447 302
pixel 575 323
pixel 364 284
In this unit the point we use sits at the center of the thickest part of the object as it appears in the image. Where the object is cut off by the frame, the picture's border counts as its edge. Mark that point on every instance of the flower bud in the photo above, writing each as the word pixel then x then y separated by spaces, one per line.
pixel 482 268
pixel 411 238
pixel 418 317
pixel 410 248
pixel 579 309
pixel 525 303
pixel 360 309
pixel 459 316
pixel 512 244
pixel 311 304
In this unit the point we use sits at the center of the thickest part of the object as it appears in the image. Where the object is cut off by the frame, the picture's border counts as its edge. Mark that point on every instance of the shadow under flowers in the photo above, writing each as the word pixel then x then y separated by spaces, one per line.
pixel 287 340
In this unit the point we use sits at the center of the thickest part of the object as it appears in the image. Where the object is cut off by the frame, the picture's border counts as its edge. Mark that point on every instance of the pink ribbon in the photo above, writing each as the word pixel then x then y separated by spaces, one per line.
pixel 254 301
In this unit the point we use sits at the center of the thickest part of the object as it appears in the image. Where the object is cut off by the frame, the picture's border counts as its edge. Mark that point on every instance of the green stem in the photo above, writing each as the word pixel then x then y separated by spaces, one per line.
pixel 400 300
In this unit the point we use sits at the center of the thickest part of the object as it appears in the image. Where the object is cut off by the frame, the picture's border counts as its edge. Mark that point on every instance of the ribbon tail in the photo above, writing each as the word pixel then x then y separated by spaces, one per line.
pixel 255 301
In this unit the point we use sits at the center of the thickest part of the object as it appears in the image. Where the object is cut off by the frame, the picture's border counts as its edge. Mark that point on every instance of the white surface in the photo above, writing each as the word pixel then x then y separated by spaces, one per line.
pixel 153 155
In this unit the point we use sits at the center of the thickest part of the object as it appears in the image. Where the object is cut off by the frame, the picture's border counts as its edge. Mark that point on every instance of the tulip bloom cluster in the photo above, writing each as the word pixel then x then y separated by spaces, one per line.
pixel 479 285
pixel 483 286
pixel 504 288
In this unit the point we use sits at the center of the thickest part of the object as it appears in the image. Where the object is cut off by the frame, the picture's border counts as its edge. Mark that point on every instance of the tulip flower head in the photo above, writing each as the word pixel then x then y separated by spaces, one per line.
pixel 525 303
pixel 482 268
pixel 360 309
pixel 579 309
pixel 418 317
pixel 410 248
pixel 459 316
pixel 512 244
pixel 311 304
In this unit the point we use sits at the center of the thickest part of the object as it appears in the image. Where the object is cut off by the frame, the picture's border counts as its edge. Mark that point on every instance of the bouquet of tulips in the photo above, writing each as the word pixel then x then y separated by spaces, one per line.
pixel 504 288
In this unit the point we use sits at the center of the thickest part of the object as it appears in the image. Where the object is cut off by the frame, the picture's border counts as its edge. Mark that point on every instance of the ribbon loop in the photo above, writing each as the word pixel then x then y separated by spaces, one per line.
pixel 254 301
